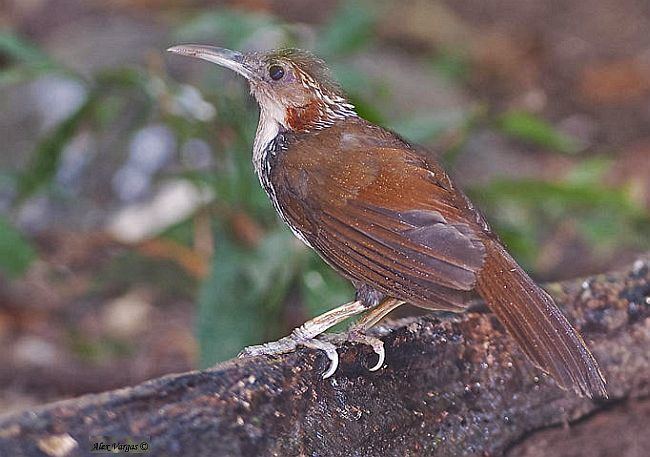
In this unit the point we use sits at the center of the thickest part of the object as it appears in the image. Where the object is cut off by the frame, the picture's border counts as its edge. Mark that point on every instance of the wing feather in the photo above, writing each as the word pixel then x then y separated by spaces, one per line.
pixel 367 267
pixel 396 247
pixel 381 217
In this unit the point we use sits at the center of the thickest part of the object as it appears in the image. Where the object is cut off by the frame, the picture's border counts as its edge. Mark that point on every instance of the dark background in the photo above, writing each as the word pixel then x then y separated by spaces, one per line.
pixel 134 237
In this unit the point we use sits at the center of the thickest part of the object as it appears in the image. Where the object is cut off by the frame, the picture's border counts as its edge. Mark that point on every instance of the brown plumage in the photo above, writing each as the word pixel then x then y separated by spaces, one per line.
pixel 385 215
pixel 389 217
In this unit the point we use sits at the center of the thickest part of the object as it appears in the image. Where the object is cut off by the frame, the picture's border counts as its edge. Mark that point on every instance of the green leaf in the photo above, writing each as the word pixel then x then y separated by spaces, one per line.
pixel 428 127
pixel 361 87
pixel 590 171
pixel 130 85
pixel 16 75
pixel 29 61
pixel 230 27
pixel 129 269
pixel 16 253
pixel 20 50
pixel 453 66
pixel 600 227
pixel 606 216
pixel 322 287
pixel 520 239
pixel 529 128
pixel 564 195
pixel 367 111
pixel 240 299
pixel 45 161
pixel 228 316
pixel 349 30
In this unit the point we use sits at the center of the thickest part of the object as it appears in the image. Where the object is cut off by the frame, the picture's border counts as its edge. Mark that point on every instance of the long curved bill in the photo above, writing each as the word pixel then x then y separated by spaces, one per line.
pixel 221 56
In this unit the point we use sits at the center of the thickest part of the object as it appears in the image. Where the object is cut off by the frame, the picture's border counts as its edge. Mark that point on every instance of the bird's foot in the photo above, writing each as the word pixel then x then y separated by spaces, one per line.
pixel 306 334
pixel 290 343
pixel 327 343
pixel 357 335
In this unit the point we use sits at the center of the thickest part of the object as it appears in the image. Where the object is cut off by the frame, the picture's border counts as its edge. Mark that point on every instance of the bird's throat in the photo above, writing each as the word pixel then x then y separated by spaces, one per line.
pixel 269 126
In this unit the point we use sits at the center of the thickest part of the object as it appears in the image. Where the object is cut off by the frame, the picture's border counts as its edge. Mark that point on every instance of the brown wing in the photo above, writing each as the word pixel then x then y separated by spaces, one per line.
pixel 383 216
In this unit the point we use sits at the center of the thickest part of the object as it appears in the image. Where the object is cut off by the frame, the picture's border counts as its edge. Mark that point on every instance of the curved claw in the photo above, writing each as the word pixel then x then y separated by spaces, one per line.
pixel 357 336
pixel 334 363
pixel 330 351
pixel 381 353
pixel 288 344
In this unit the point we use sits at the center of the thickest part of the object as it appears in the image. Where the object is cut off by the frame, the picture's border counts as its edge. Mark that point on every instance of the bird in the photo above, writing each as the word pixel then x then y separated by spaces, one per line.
pixel 385 215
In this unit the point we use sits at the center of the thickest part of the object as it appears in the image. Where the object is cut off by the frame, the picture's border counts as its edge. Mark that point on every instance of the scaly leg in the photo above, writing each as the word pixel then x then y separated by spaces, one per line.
pixel 376 314
pixel 306 334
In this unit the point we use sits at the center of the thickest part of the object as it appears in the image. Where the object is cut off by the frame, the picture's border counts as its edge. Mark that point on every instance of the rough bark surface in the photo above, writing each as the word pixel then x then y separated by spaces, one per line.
pixel 451 386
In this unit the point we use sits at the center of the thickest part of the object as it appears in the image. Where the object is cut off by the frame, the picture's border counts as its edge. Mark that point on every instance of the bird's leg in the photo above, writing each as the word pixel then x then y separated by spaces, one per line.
pixel 376 314
pixel 357 332
pixel 306 334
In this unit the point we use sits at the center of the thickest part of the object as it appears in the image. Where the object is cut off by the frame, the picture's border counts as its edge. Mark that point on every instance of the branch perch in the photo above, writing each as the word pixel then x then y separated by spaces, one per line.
pixel 452 386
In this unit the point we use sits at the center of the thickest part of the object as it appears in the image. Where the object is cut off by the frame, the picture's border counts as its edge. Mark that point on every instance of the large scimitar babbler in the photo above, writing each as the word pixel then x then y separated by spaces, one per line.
pixel 386 216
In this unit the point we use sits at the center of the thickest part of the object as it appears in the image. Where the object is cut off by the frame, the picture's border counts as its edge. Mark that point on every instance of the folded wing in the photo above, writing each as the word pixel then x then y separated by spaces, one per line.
pixel 393 234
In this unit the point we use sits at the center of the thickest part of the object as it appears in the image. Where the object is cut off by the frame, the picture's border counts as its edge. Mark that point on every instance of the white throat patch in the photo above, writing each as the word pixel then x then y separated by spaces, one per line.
pixel 272 121
pixel 268 127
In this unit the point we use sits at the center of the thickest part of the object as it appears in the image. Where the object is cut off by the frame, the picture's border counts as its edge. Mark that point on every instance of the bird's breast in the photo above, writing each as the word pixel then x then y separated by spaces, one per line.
pixel 268 161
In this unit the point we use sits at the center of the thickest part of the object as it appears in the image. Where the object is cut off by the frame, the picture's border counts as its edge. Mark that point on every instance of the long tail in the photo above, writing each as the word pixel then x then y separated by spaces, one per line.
pixel 535 321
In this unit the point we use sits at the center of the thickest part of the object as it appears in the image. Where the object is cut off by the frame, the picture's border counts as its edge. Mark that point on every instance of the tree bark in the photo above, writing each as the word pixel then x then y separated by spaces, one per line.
pixel 451 386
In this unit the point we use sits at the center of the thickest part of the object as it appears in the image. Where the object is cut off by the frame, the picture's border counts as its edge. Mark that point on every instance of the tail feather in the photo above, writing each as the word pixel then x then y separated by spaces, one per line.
pixel 535 321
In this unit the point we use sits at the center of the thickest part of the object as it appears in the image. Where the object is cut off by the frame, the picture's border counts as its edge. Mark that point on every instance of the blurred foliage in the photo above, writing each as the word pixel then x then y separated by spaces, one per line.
pixel 428 127
pixel 242 301
pixel 128 269
pixel 26 60
pixel 350 30
pixel 606 217
pixel 453 66
pixel 16 253
pixel 46 157
pixel 233 27
pixel 533 130
pixel 96 351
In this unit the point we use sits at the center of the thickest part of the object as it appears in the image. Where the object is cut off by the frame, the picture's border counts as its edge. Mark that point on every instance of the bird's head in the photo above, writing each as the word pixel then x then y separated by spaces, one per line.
pixel 293 88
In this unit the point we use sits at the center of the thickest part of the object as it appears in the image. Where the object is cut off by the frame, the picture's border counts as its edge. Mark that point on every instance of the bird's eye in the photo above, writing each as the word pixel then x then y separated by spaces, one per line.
pixel 276 72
